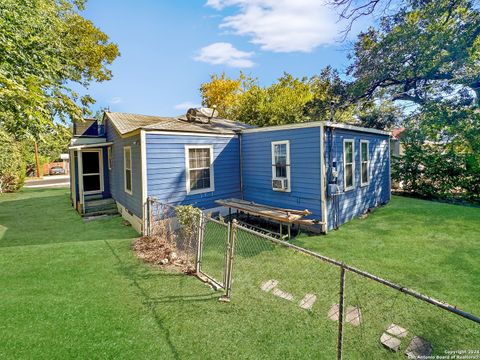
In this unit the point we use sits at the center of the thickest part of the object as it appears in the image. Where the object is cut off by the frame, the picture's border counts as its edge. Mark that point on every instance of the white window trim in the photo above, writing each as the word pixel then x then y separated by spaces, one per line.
pixel 130 192
pixel 362 183
pixel 345 188
pixel 274 177
pixel 100 165
pixel 109 157
pixel 187 168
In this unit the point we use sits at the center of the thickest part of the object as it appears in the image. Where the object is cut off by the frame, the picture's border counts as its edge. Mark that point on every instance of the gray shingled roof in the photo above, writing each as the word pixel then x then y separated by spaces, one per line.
pixel 125 123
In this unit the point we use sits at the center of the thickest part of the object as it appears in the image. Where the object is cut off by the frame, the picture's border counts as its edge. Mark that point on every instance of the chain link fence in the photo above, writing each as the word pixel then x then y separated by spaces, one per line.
pixel 299 296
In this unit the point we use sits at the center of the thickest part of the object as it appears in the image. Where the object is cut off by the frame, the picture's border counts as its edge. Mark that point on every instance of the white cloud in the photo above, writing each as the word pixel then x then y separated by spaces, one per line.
pixel 223 53
pixel 115 100
pixel 186 105
pixel 282 25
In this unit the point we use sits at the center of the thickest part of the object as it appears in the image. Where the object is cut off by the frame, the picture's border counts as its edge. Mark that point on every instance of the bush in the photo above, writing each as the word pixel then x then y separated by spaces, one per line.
pixel 436 169
pixel 12 168
pixel 188 217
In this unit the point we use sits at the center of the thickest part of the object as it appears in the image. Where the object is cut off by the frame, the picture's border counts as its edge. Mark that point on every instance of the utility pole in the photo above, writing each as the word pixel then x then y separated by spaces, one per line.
pixel 36 157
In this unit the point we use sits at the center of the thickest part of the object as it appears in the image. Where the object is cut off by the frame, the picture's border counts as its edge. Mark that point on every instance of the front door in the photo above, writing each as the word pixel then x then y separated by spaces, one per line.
pixel 92 171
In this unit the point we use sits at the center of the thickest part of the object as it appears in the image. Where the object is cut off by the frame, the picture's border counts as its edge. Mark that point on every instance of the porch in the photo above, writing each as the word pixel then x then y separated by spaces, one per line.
pixel 90 189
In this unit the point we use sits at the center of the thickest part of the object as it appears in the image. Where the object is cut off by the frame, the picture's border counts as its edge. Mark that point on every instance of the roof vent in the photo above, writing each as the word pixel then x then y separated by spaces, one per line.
pixel 203 115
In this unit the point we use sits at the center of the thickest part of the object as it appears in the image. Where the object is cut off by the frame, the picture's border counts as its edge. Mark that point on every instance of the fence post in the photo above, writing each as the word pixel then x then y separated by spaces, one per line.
pixel 226 258
pixel 229 264
pixel 341 307
pixel 148 210
pixel 198 257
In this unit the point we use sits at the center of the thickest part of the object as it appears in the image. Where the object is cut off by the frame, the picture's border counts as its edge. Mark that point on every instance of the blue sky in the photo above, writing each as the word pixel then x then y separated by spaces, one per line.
pixel 168 48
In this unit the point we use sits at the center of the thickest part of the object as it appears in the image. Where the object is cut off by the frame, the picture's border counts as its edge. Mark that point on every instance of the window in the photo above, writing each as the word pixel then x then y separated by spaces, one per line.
pixel 127 165
pixel 348 165
pixel 109 155
pixel 281 165
pixel 199 165
pixel 364 163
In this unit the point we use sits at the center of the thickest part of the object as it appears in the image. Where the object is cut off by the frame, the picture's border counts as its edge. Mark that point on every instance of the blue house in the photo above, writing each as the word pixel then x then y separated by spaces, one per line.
pixel 336 171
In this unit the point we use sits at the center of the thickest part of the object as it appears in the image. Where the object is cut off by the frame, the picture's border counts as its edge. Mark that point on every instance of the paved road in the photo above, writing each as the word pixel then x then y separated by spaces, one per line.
pixel 49 181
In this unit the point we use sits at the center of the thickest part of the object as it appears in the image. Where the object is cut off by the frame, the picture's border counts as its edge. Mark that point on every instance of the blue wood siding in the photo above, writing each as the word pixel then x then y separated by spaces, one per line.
pixel 116 175
pixel 166 172
pixel 354 202
pixel 304 173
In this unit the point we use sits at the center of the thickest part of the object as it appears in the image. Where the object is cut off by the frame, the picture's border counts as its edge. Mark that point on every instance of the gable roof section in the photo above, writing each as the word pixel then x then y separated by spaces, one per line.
pixel 125 123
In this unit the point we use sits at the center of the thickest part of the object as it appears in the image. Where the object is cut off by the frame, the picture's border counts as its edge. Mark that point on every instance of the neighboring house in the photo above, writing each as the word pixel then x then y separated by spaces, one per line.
pixel 336 171
pixel 396 142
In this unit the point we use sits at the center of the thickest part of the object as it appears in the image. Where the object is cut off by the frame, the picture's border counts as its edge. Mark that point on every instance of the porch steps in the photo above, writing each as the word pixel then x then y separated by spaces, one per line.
pixel 100 207
pixel 93 197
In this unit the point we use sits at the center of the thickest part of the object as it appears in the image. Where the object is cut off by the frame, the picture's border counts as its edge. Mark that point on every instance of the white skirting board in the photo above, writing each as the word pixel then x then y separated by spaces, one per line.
pixel 135 221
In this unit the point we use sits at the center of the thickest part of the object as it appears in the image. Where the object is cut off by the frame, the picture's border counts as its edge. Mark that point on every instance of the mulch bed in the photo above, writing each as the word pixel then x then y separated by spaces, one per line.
pixel 158 251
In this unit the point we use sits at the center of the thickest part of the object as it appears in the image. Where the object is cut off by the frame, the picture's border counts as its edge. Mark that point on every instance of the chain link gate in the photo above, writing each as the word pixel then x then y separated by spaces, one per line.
pixel 316 307
pixel 213 251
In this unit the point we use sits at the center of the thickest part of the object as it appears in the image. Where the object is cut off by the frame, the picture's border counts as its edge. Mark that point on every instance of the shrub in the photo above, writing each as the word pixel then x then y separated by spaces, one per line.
pixel 188 218
pixel 12 168
pixel 436 169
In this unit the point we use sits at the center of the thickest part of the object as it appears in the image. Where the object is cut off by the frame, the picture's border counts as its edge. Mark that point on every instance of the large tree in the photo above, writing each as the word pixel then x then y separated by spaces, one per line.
pixel 288 100
pixel 427 51
pixel 46 46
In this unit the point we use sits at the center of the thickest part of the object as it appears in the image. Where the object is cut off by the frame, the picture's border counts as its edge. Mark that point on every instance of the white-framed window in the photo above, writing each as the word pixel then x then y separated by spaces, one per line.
pixel 281 166
pixel 199 168
pixel 127 168
pixel 364 163
pixel 109 157
pixel 348 165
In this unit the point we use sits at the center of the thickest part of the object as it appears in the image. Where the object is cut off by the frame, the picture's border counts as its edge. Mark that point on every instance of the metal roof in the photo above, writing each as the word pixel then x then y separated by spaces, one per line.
pixel 125 123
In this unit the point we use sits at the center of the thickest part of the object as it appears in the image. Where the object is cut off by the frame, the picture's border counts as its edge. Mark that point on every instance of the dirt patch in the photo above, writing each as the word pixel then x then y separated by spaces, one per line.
pixel 158 251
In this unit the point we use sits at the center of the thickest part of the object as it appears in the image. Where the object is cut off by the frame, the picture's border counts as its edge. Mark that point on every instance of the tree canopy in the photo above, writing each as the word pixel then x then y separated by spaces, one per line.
pixel 427 51
pixel 45 47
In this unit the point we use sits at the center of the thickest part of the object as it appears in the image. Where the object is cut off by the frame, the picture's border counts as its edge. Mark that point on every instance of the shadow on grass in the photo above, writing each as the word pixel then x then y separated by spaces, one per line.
pixel 41 216
pixel 150 302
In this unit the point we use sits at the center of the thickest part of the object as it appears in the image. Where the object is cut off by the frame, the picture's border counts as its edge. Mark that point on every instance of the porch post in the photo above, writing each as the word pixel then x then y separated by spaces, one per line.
pixel 80 182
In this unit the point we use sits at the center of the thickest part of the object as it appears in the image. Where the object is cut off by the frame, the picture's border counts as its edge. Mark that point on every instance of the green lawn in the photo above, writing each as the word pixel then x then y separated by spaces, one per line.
pixel 71 289
pixel 428 246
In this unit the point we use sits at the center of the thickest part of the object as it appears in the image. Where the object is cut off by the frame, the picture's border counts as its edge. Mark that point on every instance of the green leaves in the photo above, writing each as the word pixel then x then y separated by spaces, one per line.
pixel 45 47
pixel 419 49
pixel 12 169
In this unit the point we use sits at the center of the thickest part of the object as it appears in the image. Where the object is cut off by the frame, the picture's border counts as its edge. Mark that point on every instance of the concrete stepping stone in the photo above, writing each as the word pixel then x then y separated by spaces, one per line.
pixel 308 301
pixel 269 285
pixel 397 331
pixel 419 348
pixel 390 342
pixel 353 316
pixel 333 312
pixel 282 294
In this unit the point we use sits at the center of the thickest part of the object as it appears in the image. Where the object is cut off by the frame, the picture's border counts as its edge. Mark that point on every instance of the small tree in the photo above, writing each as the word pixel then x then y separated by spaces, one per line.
pixel 12 168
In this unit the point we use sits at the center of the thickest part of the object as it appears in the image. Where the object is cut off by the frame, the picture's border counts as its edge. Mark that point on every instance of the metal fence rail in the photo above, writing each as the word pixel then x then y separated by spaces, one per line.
pixel 330 308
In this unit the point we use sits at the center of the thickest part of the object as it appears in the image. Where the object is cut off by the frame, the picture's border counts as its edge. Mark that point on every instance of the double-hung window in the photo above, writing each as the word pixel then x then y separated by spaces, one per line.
pixel 281 166
pixel 348 165
pixel 127 169
pixel 364 163
pixel 199 166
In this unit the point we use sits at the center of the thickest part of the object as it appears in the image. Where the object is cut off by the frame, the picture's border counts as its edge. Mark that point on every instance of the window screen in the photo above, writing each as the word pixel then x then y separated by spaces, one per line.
pixel 199 164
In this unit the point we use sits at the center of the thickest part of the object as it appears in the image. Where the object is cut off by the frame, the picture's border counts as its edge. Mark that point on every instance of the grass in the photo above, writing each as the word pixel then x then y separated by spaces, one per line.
pixel 429 246
pixel 72 289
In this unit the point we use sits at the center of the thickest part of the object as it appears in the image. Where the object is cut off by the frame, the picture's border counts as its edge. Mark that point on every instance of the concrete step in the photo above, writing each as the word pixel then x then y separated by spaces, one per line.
pixel 102 212
pixel 93 197
pixel 100 206
pixel 99 202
